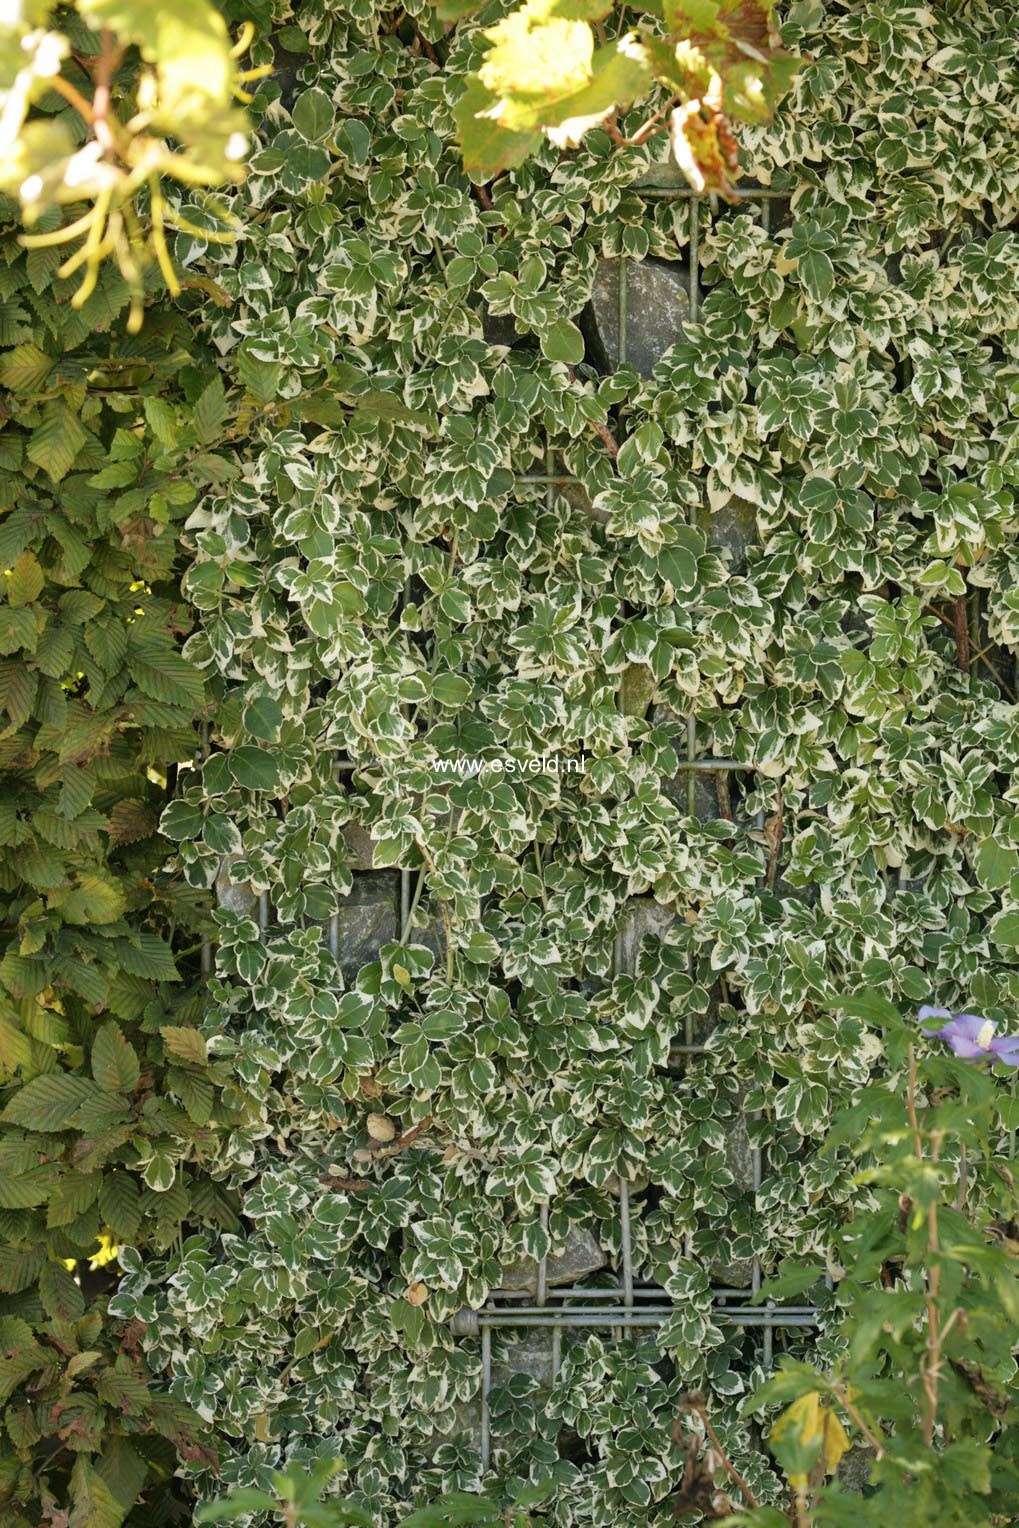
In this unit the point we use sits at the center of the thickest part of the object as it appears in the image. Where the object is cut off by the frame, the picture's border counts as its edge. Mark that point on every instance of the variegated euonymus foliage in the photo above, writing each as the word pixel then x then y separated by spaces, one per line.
pixel 378 583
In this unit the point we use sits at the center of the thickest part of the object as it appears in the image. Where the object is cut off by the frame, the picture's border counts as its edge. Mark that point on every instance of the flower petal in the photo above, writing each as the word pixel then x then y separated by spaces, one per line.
pixel 966 1049
pixel 968 1025
pixel 927 1012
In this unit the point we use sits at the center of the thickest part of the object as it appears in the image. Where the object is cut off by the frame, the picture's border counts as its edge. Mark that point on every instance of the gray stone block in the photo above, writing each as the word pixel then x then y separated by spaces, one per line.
pixel 531 1356
pixel 367 919
pixel 643 915
pixel 733 527
pixel 432 936
pixel 580 1256
pixel 739 1154
pixel 499 328
pixel 360 847
pixel 234 896
pixel 657 311
pixel 665 176
pixel 578 497
pixel 855 1467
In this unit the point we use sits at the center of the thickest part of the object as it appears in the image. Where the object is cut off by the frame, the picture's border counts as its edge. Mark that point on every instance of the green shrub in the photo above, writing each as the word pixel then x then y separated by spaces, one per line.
pixel 110 1102
pixel 372 577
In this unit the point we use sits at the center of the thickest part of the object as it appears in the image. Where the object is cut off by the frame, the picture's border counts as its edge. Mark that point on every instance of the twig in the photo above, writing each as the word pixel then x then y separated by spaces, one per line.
pixel 429 51
pixel 412 909
pixel 773 837
pixel 107 62
pixel 600 429
pixel 73 98
pixel 960 621
pixel 852 1412
pixel 450 946
pixel 695 1402
pixel 929 1370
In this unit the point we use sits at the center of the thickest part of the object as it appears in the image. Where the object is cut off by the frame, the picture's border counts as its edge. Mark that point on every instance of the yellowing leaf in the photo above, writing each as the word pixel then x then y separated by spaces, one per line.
pixel 26 581
pixel 184 1044
pixel 93 900
pixel 487 145
pixel 807 1421
pixel 188 38
pixel 534 61
pixel 57 440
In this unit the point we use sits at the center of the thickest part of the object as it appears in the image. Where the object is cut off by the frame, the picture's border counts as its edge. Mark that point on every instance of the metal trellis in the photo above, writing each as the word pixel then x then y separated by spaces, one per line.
pixel 629 1306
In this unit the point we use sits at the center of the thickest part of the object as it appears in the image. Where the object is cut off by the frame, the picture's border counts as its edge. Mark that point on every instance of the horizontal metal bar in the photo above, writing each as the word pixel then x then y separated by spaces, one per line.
pixel 716 766
pixel 605 1294
pixel 683 194
pixel 641 1316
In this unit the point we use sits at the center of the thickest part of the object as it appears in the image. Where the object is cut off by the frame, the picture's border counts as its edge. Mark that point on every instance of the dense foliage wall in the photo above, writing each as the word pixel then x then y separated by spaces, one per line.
pixel 380 363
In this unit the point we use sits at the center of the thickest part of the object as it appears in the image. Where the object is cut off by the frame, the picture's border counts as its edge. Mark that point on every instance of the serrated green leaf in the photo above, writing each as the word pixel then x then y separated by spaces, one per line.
pixel 119 1204
pixel 184 1044
pixel 93 1504
pixel 114 1060
pixel 92 900
pixel 60 1293
pixel 210 412
pixel 26 580
pixel 25 369
pixel 56 441
pixel 48 1102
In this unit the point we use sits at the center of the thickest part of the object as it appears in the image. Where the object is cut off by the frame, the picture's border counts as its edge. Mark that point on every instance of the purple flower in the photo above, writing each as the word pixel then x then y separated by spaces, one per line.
pixel 970 1037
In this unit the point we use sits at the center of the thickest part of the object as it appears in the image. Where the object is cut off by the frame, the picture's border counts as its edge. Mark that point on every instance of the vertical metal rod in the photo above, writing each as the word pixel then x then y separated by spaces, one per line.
pixel 541 1283
pixel 621 309
pixel 486 1386
pixel 757 1159
pixel 626 1243
pixel 405 898
pixel 541 1293
pixel 693 253
pixel 263 910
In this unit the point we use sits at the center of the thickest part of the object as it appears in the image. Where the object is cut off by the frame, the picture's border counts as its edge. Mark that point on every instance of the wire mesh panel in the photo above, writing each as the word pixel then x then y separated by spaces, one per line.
pixel 627 1305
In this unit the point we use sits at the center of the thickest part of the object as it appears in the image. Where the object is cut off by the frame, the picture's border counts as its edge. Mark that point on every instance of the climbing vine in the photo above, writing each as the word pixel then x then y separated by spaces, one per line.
pixel 431 515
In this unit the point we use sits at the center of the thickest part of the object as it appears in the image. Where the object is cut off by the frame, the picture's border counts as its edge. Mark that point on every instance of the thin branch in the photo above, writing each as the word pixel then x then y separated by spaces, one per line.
pixel 106 64
pixel 960 622
pixel 930 1369
pixel 600 429
pixel 73 98
pixel 392 1148
pixel 695 1403
pixel 851 1411
pixel 773 836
